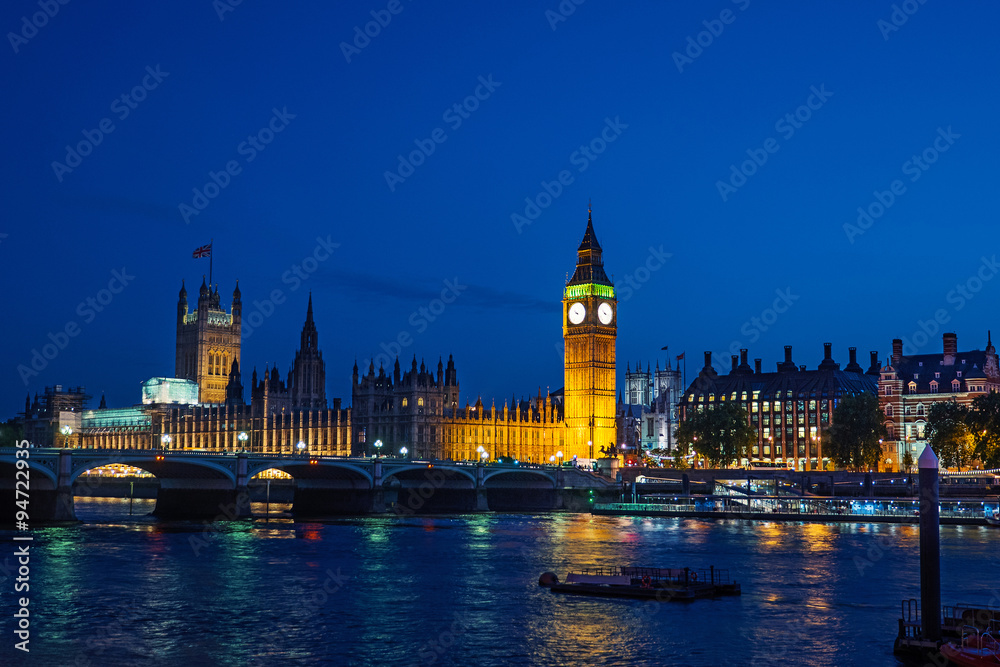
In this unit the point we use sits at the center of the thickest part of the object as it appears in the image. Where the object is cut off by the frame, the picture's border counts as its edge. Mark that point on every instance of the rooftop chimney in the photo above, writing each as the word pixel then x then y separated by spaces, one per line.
pixel 950 348
pixel 875 368
pixel 736 363
pixel 897 350
pixel 743 357
pixel 853 366
pixel 756 365
pixel 708 359
pixel 828 364
pixel 787 364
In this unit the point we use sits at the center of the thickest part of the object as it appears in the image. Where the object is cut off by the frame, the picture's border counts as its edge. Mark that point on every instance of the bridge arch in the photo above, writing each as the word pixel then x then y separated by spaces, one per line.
pixel 171 467
pixel 33 467
pixel 461 471
pixel 322 469
pixel 519 474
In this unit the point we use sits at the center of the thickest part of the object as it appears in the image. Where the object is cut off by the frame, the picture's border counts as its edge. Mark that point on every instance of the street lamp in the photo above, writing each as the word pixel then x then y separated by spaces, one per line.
pixel 559 456
pixel 301 446
pixel 378 448
pixel 480 450
pixel 484 455
pixel 590 448
pixel 66 431
pixel 552 459
pixel 243 437
pixel 403 451
pixel 165 440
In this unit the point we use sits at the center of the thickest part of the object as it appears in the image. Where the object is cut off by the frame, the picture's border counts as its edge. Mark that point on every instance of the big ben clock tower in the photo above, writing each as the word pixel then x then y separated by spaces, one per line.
pixel 590 327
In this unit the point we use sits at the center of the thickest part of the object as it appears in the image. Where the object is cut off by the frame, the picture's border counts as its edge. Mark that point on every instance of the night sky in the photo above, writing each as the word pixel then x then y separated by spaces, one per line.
pixel 612 98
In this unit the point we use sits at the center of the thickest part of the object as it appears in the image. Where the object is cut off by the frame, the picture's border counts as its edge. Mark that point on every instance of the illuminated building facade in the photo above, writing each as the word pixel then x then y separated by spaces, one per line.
pixel 59 407
pixel 910 385
pixel 655 397
pixel 790 409
pixel 208 341
pixel 420 411
pixel 590 329
pixel 281 413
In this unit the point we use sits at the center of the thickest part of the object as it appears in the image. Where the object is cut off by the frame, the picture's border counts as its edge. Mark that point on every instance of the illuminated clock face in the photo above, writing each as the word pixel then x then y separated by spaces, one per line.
pixel 605 313
pixel 577 312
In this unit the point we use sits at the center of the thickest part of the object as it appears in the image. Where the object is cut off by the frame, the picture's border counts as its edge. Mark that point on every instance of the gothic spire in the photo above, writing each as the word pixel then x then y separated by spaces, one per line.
pixel 309 339
pixel 590 262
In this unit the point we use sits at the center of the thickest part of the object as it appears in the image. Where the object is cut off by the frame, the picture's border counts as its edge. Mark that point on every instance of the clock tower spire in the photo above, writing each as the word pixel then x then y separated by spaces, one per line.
pixel 590 328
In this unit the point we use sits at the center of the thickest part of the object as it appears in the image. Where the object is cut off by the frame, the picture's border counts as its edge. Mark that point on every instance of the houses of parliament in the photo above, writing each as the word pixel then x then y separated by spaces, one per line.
pixel 202 406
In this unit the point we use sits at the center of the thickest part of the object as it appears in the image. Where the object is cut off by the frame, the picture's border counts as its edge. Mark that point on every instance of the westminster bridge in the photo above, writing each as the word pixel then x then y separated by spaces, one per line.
pixel 215 485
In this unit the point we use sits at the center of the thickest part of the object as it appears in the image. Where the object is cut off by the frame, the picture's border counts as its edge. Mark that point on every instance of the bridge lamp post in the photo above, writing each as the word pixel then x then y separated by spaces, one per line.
pixel 165 440
pixel 243 437
pixel 66 431
pixel 484 455
pixel 403 451
pixel 590 449
pixel 378 448
pixel 301 446
pixel 552 459
pixel 559 456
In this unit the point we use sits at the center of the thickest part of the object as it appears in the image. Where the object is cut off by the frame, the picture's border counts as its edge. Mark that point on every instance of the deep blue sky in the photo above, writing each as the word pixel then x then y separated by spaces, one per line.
pixel 655 185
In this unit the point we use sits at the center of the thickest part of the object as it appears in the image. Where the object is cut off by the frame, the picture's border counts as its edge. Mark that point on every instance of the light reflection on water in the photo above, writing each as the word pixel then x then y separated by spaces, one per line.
pixel 462 590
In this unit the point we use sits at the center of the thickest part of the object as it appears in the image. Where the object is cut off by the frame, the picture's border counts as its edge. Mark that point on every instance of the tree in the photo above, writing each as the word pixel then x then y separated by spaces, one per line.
pixel 949 434
pixel 721 434
pixel 984 424
pixel 10 433
pixel 908 460
pixel 856 433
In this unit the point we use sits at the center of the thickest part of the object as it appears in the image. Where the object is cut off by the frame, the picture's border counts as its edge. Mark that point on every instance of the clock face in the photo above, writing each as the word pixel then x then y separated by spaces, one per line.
pixel 605 313
pixel 577 312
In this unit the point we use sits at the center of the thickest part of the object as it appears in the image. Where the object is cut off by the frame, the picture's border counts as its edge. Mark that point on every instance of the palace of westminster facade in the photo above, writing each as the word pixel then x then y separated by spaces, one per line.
pixel 203 408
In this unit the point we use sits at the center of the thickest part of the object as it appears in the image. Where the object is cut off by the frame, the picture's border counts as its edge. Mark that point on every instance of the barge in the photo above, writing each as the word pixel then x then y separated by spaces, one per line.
pixel 644 583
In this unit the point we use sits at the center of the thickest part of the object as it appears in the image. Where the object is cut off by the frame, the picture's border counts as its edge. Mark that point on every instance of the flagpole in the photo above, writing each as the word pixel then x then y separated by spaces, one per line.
pixel 211 255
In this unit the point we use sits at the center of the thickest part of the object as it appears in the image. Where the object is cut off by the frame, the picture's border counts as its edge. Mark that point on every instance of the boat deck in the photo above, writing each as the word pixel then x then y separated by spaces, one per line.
pixel 648 583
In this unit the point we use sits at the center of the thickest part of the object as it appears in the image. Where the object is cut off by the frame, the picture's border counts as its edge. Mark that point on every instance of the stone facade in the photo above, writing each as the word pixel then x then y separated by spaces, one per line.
pixel 910 384
pixel 208 341
pixel 790 409
pixel 420 411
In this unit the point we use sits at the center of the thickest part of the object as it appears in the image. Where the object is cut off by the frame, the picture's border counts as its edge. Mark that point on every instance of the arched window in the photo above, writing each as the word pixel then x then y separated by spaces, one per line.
pixel 888 411
pixel 920 409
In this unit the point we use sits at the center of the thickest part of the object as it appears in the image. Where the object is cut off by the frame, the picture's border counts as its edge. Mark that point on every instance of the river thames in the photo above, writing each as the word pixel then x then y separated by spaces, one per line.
pixel 462 590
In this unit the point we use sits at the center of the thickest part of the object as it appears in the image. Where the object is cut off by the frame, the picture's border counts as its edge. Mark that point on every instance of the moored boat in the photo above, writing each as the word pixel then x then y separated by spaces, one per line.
pixel 647 583
pixel 975 649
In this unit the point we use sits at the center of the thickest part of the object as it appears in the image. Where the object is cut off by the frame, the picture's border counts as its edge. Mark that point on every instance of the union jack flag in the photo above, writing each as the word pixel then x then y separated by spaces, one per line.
pixel 203 251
